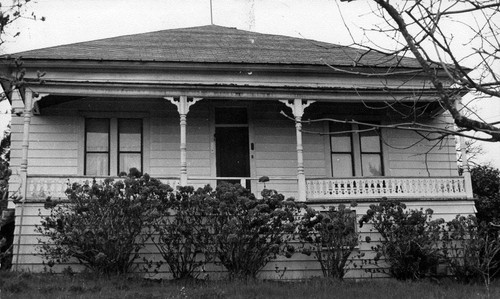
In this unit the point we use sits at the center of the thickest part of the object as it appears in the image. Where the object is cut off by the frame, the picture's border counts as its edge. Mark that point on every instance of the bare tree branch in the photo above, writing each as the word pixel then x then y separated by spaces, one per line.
pixel 422 28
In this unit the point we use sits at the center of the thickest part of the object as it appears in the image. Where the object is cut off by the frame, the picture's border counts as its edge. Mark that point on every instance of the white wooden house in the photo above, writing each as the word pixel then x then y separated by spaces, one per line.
pixel 199 105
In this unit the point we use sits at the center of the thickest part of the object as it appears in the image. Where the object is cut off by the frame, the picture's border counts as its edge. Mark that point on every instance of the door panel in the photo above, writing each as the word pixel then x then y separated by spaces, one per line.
pixel 232 152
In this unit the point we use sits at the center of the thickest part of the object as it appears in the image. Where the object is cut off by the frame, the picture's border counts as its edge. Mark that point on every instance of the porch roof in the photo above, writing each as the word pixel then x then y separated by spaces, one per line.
pixel 217 44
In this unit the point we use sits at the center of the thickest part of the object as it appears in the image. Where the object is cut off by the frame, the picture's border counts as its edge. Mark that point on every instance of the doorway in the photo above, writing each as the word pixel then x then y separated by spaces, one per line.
pixel 232 153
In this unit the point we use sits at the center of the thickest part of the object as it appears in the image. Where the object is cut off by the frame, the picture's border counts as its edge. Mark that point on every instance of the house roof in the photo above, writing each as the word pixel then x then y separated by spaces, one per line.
pixel 217 44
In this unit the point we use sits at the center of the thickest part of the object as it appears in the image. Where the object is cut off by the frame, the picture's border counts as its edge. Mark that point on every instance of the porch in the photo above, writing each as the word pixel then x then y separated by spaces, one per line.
pixel 39 187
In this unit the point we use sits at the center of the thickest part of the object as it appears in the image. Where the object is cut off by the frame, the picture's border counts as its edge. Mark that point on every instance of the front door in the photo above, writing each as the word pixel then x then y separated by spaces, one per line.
pixel 232 144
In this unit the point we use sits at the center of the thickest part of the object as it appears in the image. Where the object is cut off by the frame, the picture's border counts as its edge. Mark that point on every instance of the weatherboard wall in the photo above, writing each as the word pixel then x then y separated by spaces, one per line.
pixel 299 266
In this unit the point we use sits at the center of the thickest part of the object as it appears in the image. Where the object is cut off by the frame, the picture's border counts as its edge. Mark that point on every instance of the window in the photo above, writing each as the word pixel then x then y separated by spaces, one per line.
pixel 112 145
pixel 341 147
pixel 371 153
pixel 129 144
pixel 97 146
pixel 355 151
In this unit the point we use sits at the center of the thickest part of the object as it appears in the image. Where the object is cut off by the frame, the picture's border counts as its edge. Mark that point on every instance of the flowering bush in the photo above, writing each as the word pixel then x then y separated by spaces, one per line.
pixel 179 231
pixel 471 250
pixel 246 232
pixel 101 224
pixel 331 235
pixel 410 239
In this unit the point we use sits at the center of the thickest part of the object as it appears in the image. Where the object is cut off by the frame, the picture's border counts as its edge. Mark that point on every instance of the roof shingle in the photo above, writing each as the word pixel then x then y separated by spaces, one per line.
pixel 217 44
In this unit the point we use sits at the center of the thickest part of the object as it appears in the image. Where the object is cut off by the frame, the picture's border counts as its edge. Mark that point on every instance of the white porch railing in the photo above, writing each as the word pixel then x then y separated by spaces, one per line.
pixel 395 187
pixel 40 187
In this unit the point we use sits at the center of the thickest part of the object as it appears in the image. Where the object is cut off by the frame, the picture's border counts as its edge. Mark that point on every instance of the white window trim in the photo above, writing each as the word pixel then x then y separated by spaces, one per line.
pixel 356 151
pixel 113 117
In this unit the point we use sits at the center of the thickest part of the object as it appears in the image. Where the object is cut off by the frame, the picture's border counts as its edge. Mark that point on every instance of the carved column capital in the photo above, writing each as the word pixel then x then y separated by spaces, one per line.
pixel 183 103
pixel 298 106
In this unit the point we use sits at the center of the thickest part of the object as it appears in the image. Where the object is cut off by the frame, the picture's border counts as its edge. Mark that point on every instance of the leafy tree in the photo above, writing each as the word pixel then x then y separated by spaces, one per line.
pixel 485 181
pixel 486 187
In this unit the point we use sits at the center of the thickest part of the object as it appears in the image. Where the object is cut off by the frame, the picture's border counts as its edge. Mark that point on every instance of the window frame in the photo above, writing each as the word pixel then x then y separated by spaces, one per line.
pixel 85 156
pixel 356 151
pixel 351 152
pixel 379 153
pixel 113 141
pixel 118 151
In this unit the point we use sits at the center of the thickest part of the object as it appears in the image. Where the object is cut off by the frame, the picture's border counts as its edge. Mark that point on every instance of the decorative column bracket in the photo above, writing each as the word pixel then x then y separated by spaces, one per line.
pixel 183 105
pixel 37 97
pixel 298 106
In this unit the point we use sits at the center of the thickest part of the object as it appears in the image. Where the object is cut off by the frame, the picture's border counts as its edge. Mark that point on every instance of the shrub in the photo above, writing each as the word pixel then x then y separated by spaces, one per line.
pixel 485 180
pixel 471 249
pixel 101 224
pixel 179 230
pixel 247 232
pixel 410 240
pixel 486 187
pixel 332 236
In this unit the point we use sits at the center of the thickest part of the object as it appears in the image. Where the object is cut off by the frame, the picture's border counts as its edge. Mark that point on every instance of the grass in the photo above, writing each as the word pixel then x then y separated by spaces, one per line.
pixel 28 285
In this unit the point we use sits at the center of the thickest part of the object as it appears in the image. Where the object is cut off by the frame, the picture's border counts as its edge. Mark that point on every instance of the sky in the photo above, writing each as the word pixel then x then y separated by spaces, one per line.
pixel 70 21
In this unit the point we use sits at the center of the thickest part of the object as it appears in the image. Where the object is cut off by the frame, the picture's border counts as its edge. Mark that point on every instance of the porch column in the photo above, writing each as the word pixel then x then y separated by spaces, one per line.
pixel 29 102
pixel 465 159
pixel 30 99
pixel 298 107
pixel 183 105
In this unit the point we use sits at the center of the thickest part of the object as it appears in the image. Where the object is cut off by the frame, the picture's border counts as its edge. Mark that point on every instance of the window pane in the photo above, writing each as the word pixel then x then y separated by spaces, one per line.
pixel 341 143
pixel 370 140
pixel 130 135
pixel 128 161
pixel 97 134
pixel 370 144
pixel 341 165
pixel 371 164
pixel 97 164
